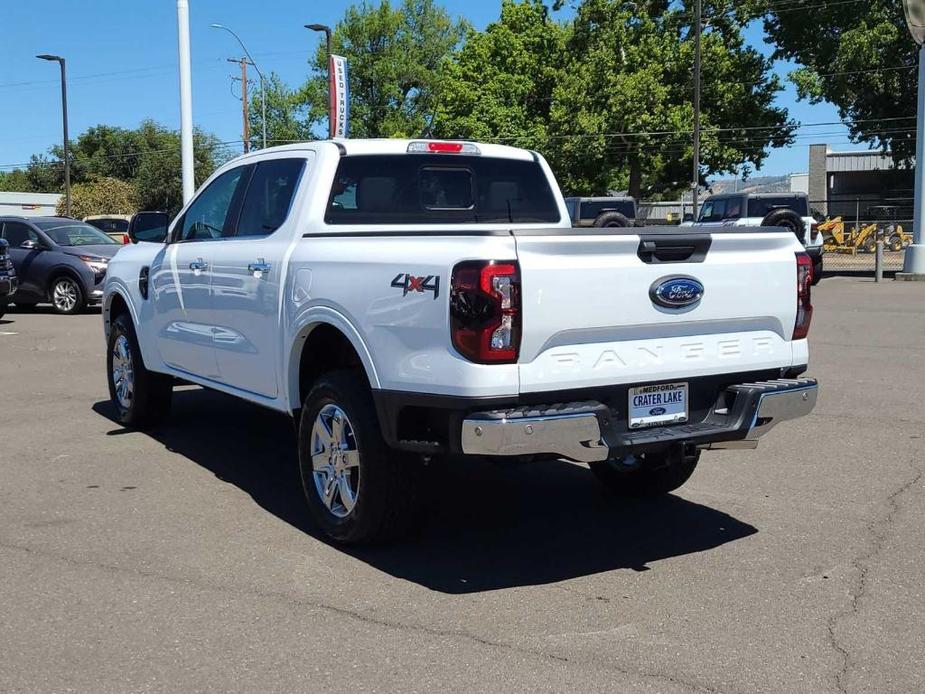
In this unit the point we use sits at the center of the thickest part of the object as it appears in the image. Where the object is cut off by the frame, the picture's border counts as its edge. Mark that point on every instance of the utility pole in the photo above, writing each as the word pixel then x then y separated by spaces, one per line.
pixel 245 106
pixel 263 86
pixel 698 28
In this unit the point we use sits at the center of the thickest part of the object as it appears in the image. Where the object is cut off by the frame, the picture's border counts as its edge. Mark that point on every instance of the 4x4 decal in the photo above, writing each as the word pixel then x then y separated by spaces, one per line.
pixel 410 283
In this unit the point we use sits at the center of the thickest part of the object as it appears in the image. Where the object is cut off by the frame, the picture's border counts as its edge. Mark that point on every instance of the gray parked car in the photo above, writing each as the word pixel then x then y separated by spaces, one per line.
pixel 602 212
pixel 58 260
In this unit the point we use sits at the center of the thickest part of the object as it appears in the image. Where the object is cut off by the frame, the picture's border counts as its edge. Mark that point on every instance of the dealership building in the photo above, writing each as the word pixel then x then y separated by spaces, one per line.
pixel 848 183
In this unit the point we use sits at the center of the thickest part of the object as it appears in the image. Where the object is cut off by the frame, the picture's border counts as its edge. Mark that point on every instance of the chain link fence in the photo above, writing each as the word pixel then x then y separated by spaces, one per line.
pixel 851 228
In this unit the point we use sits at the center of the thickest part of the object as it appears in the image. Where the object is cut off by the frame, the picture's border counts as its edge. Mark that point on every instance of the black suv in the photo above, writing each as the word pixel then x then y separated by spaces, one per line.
pixel 57 260
pixel 8 280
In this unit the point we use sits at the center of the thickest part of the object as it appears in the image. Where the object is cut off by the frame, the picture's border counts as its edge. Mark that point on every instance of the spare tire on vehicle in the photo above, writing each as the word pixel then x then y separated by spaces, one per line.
pixel 611 219
pixel 787 219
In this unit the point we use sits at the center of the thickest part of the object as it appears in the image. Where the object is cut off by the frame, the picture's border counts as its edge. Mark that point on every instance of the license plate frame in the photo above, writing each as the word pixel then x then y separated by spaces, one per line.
pixel 643 414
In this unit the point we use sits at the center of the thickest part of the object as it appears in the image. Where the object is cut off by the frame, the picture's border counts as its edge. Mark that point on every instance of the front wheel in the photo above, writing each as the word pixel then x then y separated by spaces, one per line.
pixel 358 491
pixel 649 474
pixel 66 296
pixel 141 397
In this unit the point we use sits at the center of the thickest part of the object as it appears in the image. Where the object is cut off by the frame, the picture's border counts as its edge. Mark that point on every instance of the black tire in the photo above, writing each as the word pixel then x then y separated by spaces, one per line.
pixel 657 474
pixel 385 502
pixel 788 219
pixel 870 245
pixel 817 269
pixel 611 219
pixel 75 301
pixel 895 243
pixel 150 392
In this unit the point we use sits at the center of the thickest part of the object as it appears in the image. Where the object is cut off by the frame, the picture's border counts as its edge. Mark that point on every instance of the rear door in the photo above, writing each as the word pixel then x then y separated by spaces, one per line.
pixel 590 319
pixel 247 276
pixel 26 260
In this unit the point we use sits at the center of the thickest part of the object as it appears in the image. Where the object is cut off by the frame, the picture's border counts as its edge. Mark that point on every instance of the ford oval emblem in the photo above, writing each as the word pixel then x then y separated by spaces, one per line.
pixel 657 411
pixel 676 292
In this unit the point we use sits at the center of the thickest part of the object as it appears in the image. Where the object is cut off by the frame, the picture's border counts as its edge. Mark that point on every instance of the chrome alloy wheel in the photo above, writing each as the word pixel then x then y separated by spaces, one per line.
pixel 123 373
pixel 64 294
pixel 335 461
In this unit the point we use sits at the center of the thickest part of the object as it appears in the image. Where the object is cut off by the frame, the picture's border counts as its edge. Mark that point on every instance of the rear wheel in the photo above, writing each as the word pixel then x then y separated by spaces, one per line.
pixel 895 243
pixel 357 489
pixel 141 397
pixel 611 219
pixel 66 295
pixel 647 475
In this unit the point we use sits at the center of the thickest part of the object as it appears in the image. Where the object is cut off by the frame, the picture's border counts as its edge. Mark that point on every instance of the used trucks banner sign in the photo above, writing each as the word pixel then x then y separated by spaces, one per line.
pixel 340 97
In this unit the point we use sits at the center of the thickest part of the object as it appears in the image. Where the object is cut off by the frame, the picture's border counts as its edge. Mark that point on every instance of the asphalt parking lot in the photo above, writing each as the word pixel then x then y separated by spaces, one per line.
pixel 185 561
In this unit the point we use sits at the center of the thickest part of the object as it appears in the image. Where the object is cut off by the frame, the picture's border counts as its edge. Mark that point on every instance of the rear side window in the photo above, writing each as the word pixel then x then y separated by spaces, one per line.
pixel 760 207
pixel 439 189
pixel 593 208
pixel 110 226
pixel 269 196
pixel 16 233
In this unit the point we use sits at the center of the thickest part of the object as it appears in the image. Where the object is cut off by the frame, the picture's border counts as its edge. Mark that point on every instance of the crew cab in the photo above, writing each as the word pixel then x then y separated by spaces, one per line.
pixel 787 210
pixel 407 302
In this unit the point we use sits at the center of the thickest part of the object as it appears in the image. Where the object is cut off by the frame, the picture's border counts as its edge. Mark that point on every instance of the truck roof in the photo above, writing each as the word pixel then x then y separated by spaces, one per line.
pixel 785 194
pixel 360 147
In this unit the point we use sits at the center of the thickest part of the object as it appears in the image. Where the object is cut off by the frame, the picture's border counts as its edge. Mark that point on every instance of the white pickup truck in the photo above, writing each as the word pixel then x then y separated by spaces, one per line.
pixel 411 301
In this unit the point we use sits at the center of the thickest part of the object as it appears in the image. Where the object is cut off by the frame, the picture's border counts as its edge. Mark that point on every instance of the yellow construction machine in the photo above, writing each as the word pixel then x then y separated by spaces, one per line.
pixel 836 238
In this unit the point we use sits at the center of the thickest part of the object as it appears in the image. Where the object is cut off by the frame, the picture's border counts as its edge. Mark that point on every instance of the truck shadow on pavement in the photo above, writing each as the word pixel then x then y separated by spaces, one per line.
pixel 487 527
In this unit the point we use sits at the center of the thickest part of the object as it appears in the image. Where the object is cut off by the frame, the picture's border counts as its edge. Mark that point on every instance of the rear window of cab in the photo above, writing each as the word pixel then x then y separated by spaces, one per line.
pixel 439 189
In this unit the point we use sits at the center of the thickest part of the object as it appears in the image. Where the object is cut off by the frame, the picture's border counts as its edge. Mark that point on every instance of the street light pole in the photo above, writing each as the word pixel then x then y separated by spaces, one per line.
pixel 67 157
pixel 327 35
pixel 698 29
pixel 914 264
pixel 186 102
pixel 263 93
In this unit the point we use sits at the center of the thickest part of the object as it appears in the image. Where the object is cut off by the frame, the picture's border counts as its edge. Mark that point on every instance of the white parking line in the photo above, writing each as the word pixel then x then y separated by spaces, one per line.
pixel 7 333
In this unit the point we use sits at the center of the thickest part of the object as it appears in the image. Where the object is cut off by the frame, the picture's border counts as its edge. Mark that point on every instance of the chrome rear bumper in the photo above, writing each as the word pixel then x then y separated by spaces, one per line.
pixel 587 431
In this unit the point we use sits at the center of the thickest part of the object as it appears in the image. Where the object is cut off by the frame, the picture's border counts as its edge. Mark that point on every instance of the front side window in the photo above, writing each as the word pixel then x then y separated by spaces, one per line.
pixel 269 196
pixel 714 210
pixel 208 216
pixel 439 189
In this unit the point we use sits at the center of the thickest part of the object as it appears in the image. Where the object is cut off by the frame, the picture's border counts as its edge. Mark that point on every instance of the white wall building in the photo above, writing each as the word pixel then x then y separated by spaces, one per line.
pixel 28 204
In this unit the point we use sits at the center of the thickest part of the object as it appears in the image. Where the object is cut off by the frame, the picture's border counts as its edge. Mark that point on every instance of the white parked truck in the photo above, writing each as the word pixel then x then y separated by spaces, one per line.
pixel 410 301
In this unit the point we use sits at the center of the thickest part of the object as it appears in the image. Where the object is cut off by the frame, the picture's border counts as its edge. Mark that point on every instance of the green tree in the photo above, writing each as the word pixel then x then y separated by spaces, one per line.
pixel 500 84
pixel 622 114
pixel 858 56
pixel 289 116
pixel 394 56
pixel 101 195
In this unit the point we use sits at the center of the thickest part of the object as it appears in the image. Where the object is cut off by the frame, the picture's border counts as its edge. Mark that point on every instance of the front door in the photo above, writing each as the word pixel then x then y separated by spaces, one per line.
pixel 247 274
pixel 181 279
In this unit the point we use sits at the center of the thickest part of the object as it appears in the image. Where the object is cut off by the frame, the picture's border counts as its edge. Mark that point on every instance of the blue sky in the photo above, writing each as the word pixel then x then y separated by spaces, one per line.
pixel 122 66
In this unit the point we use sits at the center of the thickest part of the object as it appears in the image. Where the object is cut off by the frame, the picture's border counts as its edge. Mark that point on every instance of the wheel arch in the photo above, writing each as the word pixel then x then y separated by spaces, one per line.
pixel 63 271
pixel 115 303
pixel 326 341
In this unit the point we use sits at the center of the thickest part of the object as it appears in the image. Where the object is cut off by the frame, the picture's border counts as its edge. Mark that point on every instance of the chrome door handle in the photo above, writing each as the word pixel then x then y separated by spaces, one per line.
pixel 199 264
pixel 261 266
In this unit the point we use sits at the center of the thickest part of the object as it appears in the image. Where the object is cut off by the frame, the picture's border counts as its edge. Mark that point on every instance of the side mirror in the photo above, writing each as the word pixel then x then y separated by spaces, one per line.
pixel 688 216
pixel 29 245
pixel 150 227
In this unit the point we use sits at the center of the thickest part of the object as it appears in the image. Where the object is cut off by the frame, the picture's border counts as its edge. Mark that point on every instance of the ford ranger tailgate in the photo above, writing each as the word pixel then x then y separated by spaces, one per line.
pixel 598 306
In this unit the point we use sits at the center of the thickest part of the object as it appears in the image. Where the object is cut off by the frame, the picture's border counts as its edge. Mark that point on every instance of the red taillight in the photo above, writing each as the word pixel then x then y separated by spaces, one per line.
pixel 485 311
pixel 804 300
pixel 451 147
pixel 125 239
